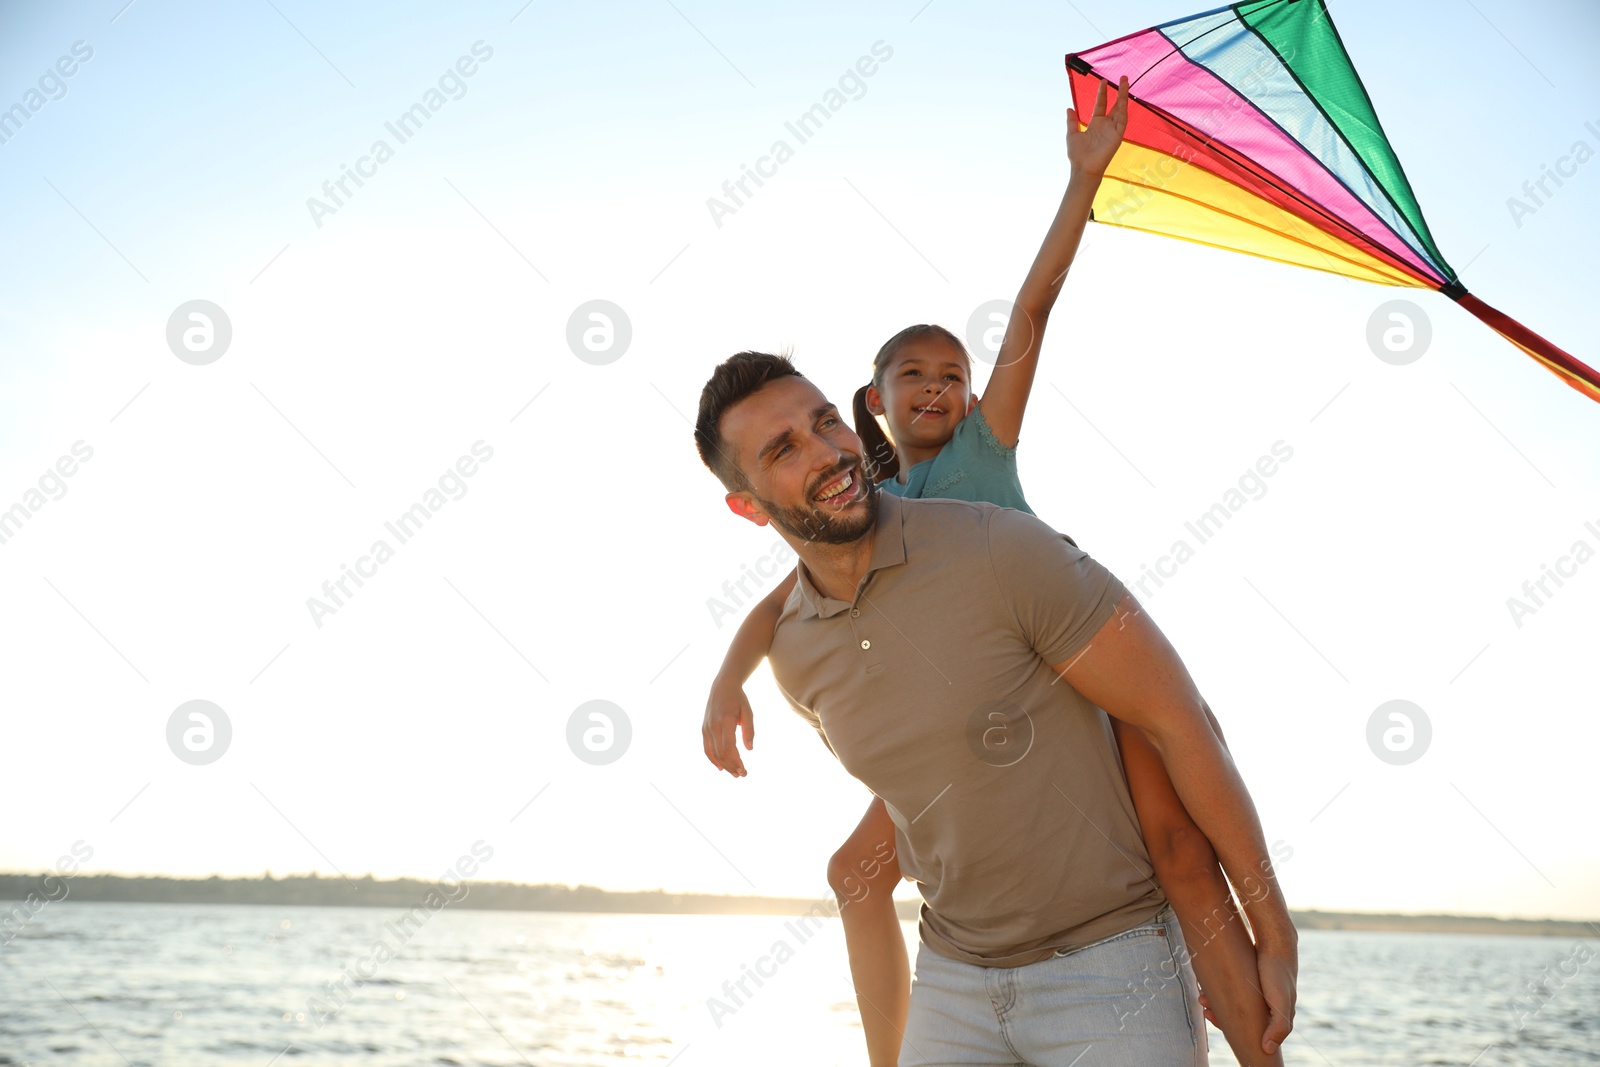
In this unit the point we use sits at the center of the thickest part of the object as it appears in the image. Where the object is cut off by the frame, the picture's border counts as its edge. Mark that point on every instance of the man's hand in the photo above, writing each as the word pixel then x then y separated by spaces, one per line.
pixel 1279 973
pixel 727 712
pixel 1090 150
pixel 1132 672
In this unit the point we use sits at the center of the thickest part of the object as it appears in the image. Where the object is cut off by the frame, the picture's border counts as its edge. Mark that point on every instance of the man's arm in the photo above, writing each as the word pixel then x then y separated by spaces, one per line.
pixel 1130 670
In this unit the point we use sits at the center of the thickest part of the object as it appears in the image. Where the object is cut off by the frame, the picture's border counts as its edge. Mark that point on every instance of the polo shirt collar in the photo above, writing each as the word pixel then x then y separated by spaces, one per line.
pixel 888 550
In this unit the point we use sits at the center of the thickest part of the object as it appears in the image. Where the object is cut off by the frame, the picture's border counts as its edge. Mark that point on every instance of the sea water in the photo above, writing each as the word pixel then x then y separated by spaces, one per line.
pixel 165 984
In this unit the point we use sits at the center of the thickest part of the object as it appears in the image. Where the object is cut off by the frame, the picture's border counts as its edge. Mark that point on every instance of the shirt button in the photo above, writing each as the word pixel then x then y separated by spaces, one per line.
pixel 855 613
pixel 866 644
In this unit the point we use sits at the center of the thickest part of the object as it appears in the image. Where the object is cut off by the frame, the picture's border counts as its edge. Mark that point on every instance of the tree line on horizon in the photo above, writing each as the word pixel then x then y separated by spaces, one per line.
pixel 367 891
pixel 318 890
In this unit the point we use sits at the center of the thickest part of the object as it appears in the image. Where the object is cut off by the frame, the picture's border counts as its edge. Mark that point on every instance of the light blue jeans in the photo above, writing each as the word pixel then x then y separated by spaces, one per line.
pixel 1127 1001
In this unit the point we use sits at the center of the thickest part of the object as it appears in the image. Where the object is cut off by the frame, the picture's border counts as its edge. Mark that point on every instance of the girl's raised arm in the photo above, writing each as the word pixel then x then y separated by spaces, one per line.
pixel 1089 151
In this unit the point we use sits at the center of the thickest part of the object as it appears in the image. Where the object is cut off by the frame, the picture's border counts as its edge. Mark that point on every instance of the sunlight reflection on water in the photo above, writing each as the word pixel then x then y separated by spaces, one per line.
pixel 175 984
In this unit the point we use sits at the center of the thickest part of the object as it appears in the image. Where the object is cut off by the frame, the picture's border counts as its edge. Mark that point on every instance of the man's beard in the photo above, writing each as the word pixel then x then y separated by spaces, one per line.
pixel 819 526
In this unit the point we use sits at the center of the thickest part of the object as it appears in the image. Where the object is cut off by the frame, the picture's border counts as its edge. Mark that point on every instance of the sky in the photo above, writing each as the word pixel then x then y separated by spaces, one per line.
pixel 420 339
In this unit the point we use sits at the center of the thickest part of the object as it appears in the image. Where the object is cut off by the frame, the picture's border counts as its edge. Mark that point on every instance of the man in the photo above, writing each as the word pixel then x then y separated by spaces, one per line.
pixel 928 641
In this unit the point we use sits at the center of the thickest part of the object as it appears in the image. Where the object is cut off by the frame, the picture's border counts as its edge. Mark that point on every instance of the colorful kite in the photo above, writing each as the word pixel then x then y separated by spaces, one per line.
pixel 1248 129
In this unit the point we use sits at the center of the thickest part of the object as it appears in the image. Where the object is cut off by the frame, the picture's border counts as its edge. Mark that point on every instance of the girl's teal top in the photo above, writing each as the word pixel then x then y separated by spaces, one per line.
pixel 972 466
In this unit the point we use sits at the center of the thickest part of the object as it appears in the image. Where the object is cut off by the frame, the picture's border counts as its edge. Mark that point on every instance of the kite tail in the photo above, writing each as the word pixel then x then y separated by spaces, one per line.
pixel 1582 377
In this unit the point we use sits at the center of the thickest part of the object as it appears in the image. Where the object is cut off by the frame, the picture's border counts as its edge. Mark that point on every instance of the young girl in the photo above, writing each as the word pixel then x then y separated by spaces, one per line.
pixel 948 443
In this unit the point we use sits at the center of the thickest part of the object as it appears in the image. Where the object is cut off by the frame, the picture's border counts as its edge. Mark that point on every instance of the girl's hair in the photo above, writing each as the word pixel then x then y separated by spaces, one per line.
pixel 881 460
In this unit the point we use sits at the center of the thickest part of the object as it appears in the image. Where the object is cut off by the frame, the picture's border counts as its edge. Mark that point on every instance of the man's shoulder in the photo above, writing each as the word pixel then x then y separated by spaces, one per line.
pixel 943 518
pixel 942 509
pixel 974 530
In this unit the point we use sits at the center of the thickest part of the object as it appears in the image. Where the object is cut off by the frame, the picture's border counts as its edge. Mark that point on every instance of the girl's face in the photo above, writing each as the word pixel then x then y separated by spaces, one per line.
pixel 926 391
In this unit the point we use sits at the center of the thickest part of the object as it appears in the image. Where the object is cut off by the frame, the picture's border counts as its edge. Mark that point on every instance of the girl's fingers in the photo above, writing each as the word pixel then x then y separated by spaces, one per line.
pixel 1099 100
pixel 1278 1027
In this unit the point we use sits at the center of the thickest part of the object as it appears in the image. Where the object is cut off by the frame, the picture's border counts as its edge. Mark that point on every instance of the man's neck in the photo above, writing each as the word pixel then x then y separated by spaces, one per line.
pixel 836 570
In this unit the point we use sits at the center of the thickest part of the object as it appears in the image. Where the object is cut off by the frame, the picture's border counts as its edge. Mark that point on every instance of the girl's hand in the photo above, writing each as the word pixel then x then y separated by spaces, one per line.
pixel 727 711
pixel 1279 977
pixel 1090 150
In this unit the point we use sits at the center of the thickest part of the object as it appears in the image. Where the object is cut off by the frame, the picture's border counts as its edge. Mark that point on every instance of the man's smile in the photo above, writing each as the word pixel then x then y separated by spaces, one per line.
pixel 841 489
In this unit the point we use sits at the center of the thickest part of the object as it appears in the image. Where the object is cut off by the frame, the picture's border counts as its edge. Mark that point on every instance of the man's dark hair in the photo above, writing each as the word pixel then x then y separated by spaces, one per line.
pixel 734 379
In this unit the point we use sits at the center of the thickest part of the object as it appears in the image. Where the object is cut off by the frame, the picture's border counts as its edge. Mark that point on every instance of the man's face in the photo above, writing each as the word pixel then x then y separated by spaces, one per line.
pixel 803 463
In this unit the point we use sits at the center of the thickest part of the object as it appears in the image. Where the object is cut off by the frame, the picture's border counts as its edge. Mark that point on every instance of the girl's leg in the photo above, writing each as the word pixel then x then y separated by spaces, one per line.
pixel 1221 952
pixel 863 875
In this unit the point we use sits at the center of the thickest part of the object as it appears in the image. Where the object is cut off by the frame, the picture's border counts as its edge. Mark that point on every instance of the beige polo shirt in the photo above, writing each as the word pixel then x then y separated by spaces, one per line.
pixel 934 688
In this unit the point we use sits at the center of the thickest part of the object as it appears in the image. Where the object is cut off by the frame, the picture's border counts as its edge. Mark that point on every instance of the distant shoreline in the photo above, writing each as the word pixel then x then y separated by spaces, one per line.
pixel 17 890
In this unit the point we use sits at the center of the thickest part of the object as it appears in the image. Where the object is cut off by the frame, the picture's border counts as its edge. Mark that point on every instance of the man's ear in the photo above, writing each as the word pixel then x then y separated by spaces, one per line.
pixel 874 400
pixel 744 505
